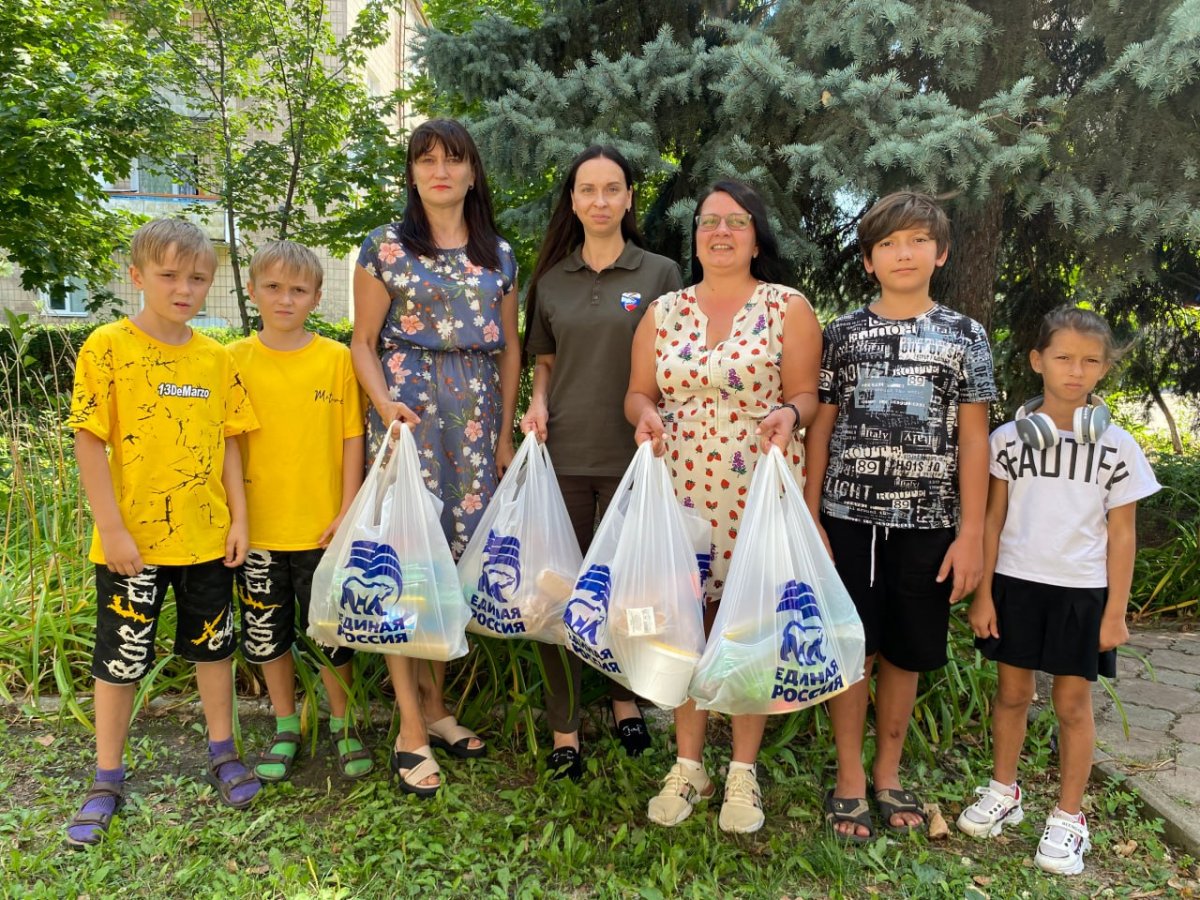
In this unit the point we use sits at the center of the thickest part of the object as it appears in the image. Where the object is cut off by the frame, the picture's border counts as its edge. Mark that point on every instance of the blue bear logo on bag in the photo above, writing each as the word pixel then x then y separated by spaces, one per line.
pixel 491 601
pixel 586 611
pixel 371 589
pixel 804 671
pixel 803 633
pixel 704 564
pixel 501 574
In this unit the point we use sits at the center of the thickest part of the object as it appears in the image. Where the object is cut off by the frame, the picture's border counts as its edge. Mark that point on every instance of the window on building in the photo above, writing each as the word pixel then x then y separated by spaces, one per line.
pixel 175 178
pixel 73 303
pixel 126 185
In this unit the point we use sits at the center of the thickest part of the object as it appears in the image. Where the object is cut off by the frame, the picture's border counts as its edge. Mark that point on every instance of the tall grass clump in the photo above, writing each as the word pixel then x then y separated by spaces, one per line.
pixel 1166 579
pixel 43 575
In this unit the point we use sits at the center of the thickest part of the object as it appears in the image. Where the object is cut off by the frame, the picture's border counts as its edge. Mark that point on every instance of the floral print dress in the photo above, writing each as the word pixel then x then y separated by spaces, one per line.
pixel 438 349
pixel 712 402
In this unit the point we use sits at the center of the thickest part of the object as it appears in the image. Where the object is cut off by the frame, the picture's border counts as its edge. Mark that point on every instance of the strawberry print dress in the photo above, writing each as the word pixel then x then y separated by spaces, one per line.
pixel 712 401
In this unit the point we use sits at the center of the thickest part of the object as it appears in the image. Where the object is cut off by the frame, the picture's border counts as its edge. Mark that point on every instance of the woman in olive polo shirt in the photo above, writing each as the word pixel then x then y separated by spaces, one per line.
pixel 589 289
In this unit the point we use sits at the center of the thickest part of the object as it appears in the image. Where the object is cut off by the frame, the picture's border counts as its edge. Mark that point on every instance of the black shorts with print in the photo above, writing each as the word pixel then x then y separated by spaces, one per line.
pixel 128 609
pixel 272 586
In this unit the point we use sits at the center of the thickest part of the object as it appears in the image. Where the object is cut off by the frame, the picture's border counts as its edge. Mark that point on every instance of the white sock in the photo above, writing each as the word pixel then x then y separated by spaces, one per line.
pixel 692 767
pixel 1070 817
pixel 1008 790
pixel 735 766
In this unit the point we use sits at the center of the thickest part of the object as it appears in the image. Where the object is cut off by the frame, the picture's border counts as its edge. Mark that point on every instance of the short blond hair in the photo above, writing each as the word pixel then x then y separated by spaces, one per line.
pixel 153 241
pixel 296 259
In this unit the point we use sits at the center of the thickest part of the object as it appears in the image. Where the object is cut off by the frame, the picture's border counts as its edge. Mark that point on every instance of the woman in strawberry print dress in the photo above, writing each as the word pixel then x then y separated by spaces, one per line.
pixel 721 370
pixel 435 346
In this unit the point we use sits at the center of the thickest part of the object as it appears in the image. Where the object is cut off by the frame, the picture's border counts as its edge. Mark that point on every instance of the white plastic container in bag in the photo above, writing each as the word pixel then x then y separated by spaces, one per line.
pixel 635 611
pixel 522 561
pixel 787 634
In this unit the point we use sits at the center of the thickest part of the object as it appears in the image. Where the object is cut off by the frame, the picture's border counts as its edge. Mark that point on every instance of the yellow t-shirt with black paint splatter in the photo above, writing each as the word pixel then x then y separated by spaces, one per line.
pixel 165 412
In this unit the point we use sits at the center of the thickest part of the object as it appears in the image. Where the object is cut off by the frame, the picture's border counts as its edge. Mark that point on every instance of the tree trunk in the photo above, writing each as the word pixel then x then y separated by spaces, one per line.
pixel 968 280
pixel 1161 403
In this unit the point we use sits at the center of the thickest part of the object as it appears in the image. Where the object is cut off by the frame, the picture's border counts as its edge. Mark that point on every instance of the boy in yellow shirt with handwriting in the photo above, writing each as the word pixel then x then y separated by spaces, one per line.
pixel 302 470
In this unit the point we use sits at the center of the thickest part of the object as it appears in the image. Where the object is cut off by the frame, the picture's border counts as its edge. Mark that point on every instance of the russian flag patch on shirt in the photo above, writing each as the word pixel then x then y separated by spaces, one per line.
pixel 630 300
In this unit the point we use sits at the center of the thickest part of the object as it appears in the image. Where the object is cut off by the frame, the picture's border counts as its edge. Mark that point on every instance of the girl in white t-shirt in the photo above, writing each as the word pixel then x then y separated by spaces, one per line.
pixel 1058 555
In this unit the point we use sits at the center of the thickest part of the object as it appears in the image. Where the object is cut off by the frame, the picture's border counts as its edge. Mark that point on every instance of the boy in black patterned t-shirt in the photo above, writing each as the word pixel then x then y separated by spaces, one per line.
pixel 897 475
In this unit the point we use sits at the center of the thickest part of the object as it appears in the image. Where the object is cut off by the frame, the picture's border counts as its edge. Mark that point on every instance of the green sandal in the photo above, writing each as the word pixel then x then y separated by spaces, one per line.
pixel 271 758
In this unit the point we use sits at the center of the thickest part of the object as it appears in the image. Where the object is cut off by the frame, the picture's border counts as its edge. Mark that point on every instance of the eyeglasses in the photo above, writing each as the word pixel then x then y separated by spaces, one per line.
pixel 735 221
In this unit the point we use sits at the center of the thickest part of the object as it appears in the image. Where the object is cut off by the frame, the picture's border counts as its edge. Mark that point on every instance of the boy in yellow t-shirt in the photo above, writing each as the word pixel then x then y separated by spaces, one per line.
pixel 154 409
pixel 302 470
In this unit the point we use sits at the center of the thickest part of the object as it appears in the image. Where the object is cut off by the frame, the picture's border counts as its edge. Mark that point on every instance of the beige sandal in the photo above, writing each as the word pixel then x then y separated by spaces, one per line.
pixel 446 734
pixel 411 767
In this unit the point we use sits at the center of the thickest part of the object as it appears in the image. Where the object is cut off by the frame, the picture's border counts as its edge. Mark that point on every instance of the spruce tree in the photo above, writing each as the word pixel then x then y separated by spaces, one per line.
pixel 1078 115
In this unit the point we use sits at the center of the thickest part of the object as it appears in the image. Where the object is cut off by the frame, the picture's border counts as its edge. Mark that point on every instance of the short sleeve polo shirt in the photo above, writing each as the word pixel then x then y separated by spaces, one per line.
pixel 587 320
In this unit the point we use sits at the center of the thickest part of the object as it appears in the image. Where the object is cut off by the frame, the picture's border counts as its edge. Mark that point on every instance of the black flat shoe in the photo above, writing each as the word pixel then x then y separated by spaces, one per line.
pixel 565 762
pixel 633 735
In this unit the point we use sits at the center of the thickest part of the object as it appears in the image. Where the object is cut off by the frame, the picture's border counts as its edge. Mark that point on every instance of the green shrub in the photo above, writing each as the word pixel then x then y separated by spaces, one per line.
pixel 1166 579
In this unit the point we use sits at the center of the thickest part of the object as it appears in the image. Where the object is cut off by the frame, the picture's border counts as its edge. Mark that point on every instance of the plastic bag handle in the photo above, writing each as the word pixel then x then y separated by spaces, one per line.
pixel 410 458
pixel 530 447
pixel 783 474
pixel 383 446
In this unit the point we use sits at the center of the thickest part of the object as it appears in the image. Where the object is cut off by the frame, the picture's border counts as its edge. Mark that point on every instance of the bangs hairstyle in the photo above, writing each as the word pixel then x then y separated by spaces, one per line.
pixel 153 241
pixel 1078 319
pixel 414 232
pixel 296 259
pixel 768 265
pixel 565 231
pixel 901 210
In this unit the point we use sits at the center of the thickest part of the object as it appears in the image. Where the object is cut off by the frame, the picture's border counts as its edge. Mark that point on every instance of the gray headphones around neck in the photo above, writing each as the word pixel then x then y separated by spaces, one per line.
pixel 1039 431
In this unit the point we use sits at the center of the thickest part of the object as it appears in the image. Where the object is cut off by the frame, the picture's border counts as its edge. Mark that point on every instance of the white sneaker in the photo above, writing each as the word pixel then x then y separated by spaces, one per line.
pixel 1063 844
pixel 991 812
pixel 681 791
pixel 741 811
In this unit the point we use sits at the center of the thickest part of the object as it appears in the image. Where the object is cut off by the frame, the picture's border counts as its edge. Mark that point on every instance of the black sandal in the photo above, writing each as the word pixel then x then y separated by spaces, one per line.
pixel 892 801
pixel 226 787
pixel 446 734
pixel 411 767
pixel 855 811
pixel 344 759
pixel 99 821
pixel 271 758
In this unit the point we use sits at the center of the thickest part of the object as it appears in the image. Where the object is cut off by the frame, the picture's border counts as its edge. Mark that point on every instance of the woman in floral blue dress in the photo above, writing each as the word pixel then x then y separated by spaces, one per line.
pixel 435 307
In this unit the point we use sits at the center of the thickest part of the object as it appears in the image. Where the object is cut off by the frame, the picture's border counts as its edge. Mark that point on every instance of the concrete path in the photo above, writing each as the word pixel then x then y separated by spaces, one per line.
pixel 1161 754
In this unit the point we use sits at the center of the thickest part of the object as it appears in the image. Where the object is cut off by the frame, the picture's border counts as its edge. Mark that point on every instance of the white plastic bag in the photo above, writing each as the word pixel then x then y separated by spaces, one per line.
pixel 635 613
pixel 518 569
pixel 387 582
pixel 787 634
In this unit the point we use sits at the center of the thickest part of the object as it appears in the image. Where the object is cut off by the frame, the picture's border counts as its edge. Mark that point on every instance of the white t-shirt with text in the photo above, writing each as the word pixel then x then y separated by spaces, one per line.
pixel 1056 530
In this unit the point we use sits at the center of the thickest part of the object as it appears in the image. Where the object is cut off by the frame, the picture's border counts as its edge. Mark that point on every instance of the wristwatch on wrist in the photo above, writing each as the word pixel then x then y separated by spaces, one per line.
pixel 795 412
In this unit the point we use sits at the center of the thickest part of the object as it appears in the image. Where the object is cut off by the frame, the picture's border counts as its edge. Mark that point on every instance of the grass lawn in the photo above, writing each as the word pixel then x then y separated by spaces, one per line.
pixel 499 828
